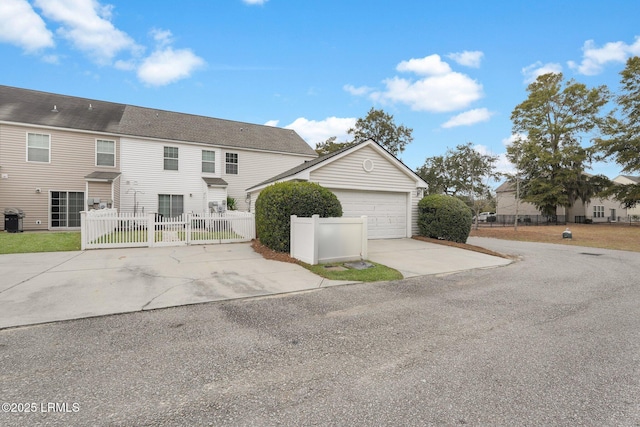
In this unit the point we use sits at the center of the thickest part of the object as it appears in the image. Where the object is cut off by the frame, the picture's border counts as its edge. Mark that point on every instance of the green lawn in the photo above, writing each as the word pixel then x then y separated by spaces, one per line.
pixel 19 243
pixel 376 273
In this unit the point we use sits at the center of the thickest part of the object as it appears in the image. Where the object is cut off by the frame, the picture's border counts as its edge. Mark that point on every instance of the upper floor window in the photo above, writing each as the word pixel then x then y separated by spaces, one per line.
pixel 105 153
pixel 38 147
pixel 208 161
pixel 231 161
pixel 171 158
pixel 598 211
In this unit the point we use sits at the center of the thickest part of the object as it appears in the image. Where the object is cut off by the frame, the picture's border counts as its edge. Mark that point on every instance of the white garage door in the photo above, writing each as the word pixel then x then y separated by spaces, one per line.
pixel 386 212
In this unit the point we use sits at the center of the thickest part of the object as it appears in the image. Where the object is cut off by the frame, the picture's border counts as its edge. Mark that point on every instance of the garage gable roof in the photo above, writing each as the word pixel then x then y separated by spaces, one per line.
pixel 302 171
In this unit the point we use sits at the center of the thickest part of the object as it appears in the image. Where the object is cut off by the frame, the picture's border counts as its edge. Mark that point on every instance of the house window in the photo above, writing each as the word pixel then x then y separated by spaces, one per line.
pixel 171 158
pixel 170 205
pixel 598 211
pixel 105 153
pixel 38 147
pixel 231 161
pixel 65 208
pixel 208 161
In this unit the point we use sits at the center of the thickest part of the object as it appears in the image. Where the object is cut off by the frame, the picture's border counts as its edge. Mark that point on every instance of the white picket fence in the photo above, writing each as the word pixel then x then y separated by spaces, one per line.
pixel 106 228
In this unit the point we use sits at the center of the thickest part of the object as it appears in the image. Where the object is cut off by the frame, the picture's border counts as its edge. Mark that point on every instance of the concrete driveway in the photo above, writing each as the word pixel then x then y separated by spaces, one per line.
pixel 416 258
pixel 54 286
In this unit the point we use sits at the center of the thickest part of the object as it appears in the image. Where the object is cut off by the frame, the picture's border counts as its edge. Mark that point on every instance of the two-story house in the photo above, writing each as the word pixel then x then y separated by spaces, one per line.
pixel 596 210
pixel 60 155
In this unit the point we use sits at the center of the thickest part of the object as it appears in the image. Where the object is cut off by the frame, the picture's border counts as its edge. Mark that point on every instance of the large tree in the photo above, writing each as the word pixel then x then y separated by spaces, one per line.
pixel 331 146
pixel 550 126
pixel 380 127
pixel 623 131
pixel 463 172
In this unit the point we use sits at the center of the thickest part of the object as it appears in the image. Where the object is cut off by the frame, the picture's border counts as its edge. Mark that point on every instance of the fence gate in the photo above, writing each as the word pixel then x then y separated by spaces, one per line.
pixel 107 229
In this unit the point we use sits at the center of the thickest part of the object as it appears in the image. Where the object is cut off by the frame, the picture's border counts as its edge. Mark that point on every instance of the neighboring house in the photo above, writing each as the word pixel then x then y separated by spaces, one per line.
pixel 597 210
pixel 60 155
pixel 633 180
pixel 367 180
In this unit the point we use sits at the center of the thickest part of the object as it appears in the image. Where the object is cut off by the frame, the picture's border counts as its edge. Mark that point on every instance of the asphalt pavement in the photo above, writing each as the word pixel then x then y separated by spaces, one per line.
pixel 550 340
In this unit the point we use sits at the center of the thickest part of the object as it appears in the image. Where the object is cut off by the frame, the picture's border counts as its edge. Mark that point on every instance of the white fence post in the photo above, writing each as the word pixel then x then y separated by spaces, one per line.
pixel 187 228
pixel 314 222
pixel 292 232
pixel 151 230
pixel 365 237
pixel 83 230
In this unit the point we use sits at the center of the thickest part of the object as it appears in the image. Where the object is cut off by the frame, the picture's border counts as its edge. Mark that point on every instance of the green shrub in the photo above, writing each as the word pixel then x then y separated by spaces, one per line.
pixel 444 217
pixel 278 202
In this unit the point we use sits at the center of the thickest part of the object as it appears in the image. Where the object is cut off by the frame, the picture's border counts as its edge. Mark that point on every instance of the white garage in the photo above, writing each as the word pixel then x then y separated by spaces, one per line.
pixel 367 180
pixel 386 211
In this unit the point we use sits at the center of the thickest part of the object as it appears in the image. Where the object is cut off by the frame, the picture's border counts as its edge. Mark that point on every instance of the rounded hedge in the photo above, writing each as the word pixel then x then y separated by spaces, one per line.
pixel 279 201
pixel 444 217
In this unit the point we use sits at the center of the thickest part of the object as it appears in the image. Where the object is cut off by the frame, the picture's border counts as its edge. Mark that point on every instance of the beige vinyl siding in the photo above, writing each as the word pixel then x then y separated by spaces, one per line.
pixel 72 157
pixel 99 190
pixel 348 172
pixel 116 192
pixel 506 205
pixel 255 167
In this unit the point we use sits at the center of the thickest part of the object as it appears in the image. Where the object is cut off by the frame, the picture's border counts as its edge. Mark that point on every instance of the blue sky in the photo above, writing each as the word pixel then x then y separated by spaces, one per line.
pixel 451 70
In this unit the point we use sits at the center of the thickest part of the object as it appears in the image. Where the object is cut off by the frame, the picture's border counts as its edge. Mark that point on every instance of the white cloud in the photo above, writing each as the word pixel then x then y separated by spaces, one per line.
pixel 167 66
pixel 438 89
pixel 442 93
pixel 513 138
pixel 357 91
pixel 502 165
pixel 273 123
pixel 467 58
pixel 595 58
pixel 531 72
pixel 252 2
pixel 86 24
pixel 23 27
pixel 314 131
pixel 469 118
pixel 430 65
pixel 162 37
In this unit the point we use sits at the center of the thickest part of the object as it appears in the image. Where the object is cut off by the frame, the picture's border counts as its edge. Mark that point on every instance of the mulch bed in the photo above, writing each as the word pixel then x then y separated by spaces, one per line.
pixel 461 246
pixel 269 253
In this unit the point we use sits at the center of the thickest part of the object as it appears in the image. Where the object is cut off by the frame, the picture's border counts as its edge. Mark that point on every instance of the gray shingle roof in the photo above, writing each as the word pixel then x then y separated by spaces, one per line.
pixel 106 176
pixel 635 179
pixel 29 106
pixel 215 182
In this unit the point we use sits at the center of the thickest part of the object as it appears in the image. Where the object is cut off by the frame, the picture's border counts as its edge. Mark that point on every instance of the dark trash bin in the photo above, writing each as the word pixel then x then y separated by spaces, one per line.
pixel 13 220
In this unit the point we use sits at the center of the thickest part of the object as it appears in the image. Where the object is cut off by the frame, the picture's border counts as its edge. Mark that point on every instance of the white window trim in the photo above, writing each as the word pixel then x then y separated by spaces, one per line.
pixel 598 211
pixel 214 161
pixel 114 153
pixel 27 148
pixel 177 159
pixel 227 163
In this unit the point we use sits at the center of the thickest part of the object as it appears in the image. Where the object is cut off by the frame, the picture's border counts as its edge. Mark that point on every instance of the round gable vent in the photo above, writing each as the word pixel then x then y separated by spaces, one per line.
pixel 367 165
